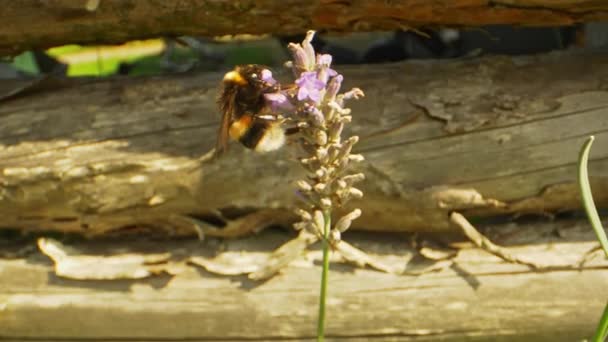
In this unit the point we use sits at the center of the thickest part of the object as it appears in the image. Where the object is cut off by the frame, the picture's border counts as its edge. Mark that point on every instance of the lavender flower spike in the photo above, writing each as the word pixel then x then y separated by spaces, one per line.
pixel 320 114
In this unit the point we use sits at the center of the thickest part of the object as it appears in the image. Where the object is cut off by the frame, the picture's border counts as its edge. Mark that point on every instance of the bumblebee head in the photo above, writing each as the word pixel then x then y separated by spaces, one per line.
pixel 253 75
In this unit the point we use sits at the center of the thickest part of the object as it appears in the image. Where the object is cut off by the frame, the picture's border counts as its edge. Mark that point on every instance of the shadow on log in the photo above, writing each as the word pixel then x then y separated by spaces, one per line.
pixel 485 137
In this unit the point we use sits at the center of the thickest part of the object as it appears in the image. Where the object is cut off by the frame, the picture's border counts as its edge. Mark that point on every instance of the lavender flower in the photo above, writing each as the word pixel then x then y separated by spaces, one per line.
pixel 309 87
pixel 317 108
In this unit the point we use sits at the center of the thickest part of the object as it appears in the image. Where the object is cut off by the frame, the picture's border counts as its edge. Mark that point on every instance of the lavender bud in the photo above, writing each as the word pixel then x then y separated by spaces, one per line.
pixel 324 61
pixel 333 88
pixel 316 117
pixel 319 220
pixel 325 203
pixel 308 226
pixel 320 187
pixel 304 186
pixel 348 194
pixel 300 58
pixel 333 151
pixel 356 157
pixel 354 93
pixel 312 228
pixel 355 193
pixel 311 164
pixel 320 138
pixel 305 215
pixel 347 146
pixel 335 237
pixel 320 173
pixel 346 119
pixel 346 220
pixel 341 184
pixel 309 50
pixel 342 163
pixel 322 154
pixel 338 108
pixel 335 131
pixel 352 179
pixel 308 161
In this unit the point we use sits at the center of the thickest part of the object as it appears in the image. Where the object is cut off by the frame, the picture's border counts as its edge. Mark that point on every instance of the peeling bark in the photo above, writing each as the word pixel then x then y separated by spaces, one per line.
pixel 96 156
pixel 31 24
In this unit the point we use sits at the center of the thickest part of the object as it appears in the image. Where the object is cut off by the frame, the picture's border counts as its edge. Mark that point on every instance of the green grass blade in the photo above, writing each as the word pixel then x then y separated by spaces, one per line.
pixel 596 223
pixel 583 181
pixel 602 327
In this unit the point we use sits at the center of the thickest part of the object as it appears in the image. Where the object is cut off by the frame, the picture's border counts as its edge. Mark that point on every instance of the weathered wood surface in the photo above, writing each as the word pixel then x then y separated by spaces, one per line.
pixel 486 136
pixel 34 24
pixel 476 297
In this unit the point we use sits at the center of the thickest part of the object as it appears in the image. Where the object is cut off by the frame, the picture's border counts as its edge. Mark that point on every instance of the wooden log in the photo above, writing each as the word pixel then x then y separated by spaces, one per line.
pixel 31 24
pixel 489 136
pixel 476 297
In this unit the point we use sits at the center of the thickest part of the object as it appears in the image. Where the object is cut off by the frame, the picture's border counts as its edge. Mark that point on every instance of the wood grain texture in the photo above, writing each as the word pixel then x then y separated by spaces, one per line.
pixel 477 298
pixel 487 136
pixel 35 24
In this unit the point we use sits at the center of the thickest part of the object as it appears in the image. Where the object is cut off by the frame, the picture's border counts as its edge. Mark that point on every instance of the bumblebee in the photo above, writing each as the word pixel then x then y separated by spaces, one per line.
pixel 245 115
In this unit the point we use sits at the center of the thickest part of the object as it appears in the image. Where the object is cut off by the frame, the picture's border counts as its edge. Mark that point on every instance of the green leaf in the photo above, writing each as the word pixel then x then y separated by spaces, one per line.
pixel 26 63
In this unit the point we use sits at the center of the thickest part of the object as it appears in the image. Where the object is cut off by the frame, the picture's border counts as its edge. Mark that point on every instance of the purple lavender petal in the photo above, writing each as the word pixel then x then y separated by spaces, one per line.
pixel 324 59
pixel 315 96
pixel 278 102
pixel 302 94
pixel 325 73
pixel 267 77
pixel 309 86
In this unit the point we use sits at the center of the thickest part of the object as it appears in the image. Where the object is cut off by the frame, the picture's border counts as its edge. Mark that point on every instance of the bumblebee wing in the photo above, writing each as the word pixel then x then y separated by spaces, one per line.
pixel 226 105
pixel 221 144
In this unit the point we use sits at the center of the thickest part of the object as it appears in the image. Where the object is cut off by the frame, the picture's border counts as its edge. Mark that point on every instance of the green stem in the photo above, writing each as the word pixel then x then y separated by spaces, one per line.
pixel 602 327
pixel 324 274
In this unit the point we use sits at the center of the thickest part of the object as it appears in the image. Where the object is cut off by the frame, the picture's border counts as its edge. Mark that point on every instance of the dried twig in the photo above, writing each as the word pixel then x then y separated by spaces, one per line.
pixel 484 243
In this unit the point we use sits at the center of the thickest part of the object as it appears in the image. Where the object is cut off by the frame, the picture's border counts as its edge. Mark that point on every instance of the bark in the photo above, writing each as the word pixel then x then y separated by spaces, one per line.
pixel 474 297
pixel 484 137
pixel 31 24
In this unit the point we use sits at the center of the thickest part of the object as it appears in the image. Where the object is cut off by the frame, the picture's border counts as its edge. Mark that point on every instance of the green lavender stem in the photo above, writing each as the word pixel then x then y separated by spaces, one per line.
pixel 324 275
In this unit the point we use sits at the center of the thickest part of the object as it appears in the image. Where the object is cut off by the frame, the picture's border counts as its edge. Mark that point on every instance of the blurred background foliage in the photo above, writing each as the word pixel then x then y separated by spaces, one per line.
pixel 182 54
